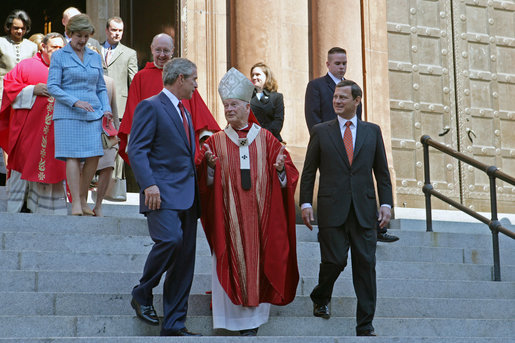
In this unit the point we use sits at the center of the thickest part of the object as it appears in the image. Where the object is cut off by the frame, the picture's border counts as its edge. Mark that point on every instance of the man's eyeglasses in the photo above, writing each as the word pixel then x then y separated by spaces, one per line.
pixel 163 51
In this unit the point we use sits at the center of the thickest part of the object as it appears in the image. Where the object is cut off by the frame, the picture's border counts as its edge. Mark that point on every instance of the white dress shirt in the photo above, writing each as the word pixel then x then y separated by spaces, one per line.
pixel 335 79
pixel 174 100
pixel 353 130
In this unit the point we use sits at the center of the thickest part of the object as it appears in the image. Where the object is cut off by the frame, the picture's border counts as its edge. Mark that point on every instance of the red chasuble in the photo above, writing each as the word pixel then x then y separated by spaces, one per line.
pixel 30 132
pixel 149 82
pixel 252 233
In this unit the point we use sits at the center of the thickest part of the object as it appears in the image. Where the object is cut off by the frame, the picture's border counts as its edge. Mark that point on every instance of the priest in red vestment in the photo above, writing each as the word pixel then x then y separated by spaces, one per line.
pixel 247 183
pixel 27 132
pixel 149 82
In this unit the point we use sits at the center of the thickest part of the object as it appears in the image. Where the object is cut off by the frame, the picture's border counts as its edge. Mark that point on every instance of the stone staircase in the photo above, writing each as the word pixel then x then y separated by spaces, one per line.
pixel 68 279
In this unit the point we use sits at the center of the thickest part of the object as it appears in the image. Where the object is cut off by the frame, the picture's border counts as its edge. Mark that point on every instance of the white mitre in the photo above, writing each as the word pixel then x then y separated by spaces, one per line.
pixel 235 85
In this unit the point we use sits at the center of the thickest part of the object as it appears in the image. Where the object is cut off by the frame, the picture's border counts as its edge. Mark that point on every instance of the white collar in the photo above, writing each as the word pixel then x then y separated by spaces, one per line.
pixel 353 120
pixel 334 78
pixel 172 97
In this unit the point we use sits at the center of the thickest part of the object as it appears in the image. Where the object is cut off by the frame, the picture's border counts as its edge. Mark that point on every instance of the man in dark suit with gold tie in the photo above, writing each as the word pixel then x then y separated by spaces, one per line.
pixel 346 151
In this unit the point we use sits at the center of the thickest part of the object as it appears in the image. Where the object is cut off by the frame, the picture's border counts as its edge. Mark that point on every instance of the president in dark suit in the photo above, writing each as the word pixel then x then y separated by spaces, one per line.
pixel 318 105
pixel 161 151
pixel 347 151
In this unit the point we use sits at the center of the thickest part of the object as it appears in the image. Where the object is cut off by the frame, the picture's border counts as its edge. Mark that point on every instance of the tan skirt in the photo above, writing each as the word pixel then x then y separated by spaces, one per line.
pixel 108 159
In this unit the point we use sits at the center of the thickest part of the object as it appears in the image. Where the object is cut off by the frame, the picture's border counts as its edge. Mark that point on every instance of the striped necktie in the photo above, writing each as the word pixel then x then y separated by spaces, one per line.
pixel 185 121
pixel 108 56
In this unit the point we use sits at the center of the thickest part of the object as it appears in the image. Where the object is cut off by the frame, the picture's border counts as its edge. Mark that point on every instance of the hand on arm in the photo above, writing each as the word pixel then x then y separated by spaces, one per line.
pixel 152 198
pixel 41 90
pixel 84 105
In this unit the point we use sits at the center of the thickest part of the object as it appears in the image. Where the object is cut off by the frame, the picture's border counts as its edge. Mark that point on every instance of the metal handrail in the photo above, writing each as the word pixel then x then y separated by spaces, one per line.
pixel 493 173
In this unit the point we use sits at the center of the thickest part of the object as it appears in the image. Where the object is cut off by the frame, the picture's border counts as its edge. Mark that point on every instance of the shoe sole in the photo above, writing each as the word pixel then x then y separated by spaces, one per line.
pixel 387 241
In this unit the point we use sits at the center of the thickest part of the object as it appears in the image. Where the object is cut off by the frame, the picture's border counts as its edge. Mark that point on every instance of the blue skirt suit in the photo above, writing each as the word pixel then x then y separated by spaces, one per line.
pixel 77 132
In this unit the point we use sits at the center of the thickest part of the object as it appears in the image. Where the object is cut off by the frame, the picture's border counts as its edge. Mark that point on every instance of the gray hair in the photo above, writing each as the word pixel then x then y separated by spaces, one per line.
pixel 176 67
pixel 52 35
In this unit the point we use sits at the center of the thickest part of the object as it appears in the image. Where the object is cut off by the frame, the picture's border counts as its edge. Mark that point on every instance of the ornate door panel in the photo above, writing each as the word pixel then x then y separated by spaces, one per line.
pixel 421 98
pixel 484 34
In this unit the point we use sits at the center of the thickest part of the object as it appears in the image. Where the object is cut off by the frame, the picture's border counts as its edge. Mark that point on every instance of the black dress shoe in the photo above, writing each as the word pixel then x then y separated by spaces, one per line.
pixel 321 311
pixel 146 313
pixel 384 237
pixel 366 333
pixel 181 332
pixel 249 332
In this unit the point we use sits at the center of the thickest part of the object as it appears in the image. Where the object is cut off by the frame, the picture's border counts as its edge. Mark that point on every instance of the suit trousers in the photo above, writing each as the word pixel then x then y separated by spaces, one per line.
pixel 334 246
pixel 174 235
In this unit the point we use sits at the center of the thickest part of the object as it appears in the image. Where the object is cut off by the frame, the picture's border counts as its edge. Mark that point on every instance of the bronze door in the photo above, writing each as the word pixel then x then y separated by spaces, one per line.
pixel 449 68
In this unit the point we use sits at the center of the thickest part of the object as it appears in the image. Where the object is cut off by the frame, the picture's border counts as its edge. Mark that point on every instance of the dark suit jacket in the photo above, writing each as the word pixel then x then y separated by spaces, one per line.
pixel 318 104
pixel 123 65
pixel 340 183
pixel 160 154
pixel 269 111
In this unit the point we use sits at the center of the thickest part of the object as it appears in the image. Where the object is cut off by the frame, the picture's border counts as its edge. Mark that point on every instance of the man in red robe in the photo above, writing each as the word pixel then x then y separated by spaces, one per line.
pixel 149 82
pixel 27 130
pixel 247 183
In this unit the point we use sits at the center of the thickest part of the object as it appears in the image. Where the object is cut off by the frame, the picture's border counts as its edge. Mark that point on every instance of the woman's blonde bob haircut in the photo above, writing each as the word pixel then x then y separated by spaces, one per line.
pixel 79 23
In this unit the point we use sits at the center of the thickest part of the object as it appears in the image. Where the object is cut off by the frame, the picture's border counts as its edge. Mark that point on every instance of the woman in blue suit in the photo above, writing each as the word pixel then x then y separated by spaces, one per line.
pixel 76 82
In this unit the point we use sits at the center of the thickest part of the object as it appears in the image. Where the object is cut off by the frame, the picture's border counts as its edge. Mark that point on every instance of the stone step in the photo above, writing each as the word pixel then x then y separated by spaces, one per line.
pixel 121 283
pixel 23 222
pixel 116 244
pixel 451 225
pixel 260 339
pixel 119 325
pixel 90 304
pixel 27 222
pixel 68 261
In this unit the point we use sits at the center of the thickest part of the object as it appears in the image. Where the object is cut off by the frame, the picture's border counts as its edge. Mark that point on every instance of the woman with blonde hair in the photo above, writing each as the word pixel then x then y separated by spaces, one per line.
pixel 76 81
pixel 37 39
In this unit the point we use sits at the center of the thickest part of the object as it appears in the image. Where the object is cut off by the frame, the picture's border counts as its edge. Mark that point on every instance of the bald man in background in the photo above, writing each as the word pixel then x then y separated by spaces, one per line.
pixel 71 12
pixel 149 82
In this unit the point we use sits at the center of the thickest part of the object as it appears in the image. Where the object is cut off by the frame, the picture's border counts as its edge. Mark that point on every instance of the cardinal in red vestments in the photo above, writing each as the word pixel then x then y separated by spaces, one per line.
pixel 149 81
pixel 27 132
pixel 247 183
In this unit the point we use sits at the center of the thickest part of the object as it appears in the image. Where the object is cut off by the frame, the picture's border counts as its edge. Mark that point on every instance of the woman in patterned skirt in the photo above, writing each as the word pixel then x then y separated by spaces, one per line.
pixel 76 81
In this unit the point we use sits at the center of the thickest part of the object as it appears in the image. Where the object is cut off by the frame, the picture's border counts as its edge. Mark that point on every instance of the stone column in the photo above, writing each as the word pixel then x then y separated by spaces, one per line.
pixel 336 23
pixel 203 38
pixel 99 11
pixel 276 33
pixel 360 28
